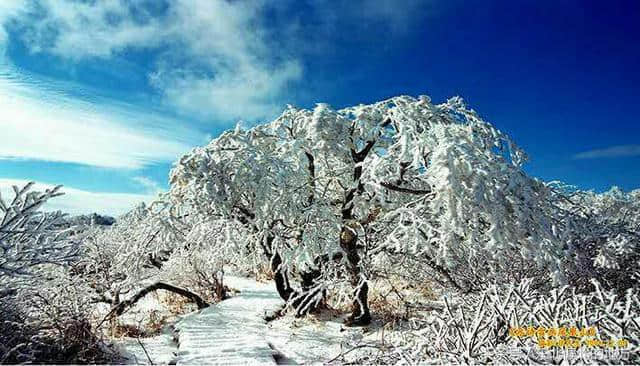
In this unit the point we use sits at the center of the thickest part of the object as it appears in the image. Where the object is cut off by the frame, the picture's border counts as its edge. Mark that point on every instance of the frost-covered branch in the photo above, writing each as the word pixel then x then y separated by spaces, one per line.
pixel 30 238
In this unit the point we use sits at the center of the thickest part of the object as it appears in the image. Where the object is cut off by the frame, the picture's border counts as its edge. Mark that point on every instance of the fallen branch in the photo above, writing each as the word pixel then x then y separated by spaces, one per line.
pixel 125 305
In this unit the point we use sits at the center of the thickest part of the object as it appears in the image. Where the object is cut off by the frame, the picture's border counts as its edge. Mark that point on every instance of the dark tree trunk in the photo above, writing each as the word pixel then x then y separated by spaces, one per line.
pixel 310 300
pixel 300 300
pixel 280 277
pixel 360 314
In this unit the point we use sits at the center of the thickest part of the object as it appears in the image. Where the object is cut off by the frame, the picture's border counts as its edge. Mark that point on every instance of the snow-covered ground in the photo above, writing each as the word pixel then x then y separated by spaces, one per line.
pixel 234 332
pixel 161 349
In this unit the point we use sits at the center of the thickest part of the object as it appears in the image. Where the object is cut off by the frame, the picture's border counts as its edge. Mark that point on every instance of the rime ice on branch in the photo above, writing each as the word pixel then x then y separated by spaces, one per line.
pixel 30 238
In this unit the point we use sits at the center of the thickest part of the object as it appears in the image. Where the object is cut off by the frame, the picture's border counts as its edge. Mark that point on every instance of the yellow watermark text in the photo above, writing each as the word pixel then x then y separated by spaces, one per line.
pixel 566 337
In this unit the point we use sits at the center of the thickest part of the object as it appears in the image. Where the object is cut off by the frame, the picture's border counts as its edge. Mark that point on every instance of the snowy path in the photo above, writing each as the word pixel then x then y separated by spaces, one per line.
pixel 232 331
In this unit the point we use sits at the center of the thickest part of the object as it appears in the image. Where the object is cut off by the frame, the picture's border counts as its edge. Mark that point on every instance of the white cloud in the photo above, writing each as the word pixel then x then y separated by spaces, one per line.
pixel 250 94
pixel 39 122
pixel 8 10
pixel 215 57
pixel 77 201
pixel 149 184
pixel 610 152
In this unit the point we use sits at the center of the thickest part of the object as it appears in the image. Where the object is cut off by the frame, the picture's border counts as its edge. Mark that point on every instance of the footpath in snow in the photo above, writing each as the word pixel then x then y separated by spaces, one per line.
pixel 234 332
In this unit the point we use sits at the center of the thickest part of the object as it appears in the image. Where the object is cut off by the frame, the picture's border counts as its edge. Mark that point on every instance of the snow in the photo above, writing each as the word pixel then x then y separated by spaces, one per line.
pixel 303 341
pixel 231 332
pixel 161 349
pixel 234 332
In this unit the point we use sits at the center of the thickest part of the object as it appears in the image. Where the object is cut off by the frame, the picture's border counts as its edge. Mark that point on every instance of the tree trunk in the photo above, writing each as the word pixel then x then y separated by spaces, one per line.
pixel 360 314
pixel 299 300
pixel 310 293
pixel 280 277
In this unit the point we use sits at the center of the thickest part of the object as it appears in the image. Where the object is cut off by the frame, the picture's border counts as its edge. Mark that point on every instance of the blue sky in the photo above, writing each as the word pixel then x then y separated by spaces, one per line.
pixel 102 96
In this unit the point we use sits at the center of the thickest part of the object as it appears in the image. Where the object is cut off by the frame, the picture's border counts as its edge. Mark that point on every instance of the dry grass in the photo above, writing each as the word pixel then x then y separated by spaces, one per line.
pixel 390 299
pixel 156 322
pixel 176 304
pixel 150 326
pixel 119 330
pixel 150 323
pixel 171 305
pixel 263 273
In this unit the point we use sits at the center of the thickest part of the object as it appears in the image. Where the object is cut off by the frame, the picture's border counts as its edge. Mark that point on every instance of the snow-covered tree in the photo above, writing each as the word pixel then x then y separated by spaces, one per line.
pixel 401 177
pixel 120 264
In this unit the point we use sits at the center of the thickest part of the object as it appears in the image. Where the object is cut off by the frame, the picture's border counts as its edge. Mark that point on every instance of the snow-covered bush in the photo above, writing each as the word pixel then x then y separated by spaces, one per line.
pixel 52 323
pixel 151 248
pixel 31 240
pixel 404 177
pixel 44 316
pixel 605 243
pixel 118 259
pixel 484 328
pixel 199 263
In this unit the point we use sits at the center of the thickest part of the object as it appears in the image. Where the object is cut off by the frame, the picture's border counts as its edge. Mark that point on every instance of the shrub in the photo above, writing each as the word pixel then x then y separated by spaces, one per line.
pixel 51 325
pixel 476 328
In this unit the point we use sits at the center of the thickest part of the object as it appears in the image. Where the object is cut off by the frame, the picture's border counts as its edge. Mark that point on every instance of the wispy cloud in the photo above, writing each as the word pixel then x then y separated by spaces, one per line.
pixel 212 58
pixel 39 121
pixel 610 152
pixel 77 201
